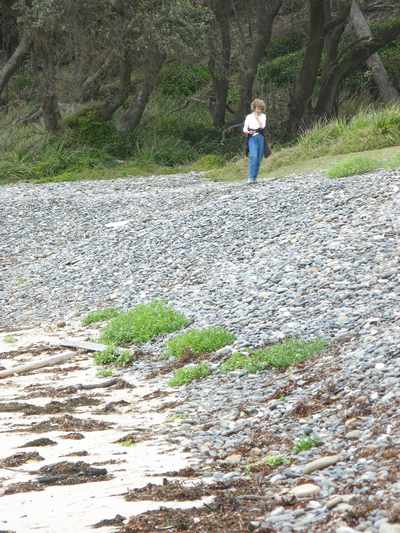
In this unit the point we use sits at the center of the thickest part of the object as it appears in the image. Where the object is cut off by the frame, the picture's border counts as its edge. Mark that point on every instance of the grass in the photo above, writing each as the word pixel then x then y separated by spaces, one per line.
pixel 283 355
pixel 376 132
pixel 110 356
pixel 143 323
pixel 184 376
pixel 100 315
pixel 352 166
pixel 306 443
pixel 105 372
pixel 199 341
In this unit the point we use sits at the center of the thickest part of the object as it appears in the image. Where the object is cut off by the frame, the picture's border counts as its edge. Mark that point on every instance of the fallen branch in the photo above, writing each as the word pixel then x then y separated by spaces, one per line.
pixel 85 345
pixel 49 361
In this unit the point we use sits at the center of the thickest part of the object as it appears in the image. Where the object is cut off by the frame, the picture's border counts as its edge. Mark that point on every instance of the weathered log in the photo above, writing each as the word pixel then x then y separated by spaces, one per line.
pixel 27 367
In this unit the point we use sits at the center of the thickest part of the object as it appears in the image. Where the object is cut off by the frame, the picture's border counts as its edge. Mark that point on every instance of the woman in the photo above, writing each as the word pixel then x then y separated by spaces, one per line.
pixel 256 145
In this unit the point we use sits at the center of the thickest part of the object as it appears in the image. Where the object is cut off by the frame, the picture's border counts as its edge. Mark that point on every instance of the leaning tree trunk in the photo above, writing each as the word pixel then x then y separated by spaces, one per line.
pixel 130 120
pixel 266 11
pixel 220 57
pixel 387 91
pixel 308 75
pixel 15 61
pixel 350 60
pixel 45 47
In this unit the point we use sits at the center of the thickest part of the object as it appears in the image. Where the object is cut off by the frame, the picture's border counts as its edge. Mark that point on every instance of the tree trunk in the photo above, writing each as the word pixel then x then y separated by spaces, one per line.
pixel 308 75
pixel 265 13
pixel 15 61
pixel 91 86
pixel 130 120
pixel 349 61
pixel 387 91
pixel 114 102
pixel 220 58
pixel 45 45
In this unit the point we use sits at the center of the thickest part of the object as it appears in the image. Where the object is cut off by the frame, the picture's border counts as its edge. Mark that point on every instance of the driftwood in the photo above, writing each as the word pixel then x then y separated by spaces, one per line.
pixel 49 361
pixel 85 345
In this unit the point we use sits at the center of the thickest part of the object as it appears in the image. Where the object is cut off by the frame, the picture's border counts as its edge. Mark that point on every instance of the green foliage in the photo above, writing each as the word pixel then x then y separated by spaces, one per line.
pixel 306 443
pixel 105 372
pixel 282 70
pixel 9 339
pixel 183 80
pixel 110 356
pixel 186 375
pixel 208 162
pixel 143 323
pixel 199 341
pixel 100 315
pixel 283 355
pixel 368 130
pixel 282 46
pixel 276 460
pixel 88 129
pixel 352 166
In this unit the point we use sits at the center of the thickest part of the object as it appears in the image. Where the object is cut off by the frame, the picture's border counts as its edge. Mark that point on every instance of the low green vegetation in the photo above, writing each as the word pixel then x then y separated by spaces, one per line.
pixel 199 341
pixel 129 442
pixel 9 339
pixel 100 315
pixel 374 134
pixel 306 443
pixel 283 355
pixel 276 460
pixel 355 165
pixel 184 376
pixel 112 356
pixel 105 372
pixel 143 323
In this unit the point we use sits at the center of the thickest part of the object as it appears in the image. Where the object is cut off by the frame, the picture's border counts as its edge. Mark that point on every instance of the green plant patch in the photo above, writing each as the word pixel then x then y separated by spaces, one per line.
pixel 199 341
pixel 283 355
pixel 306 443
pixel 10 339
pixel 276 460
pixel 184 376
pixel 105 372
pixel 111 356
pixel 353 166
pixel 393 163
pixel 100 315
pixel 143 323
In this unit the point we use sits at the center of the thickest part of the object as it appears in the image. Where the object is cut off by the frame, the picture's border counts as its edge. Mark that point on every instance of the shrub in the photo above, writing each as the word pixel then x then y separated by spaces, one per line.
pixel 186 375
pixel 306 443
pixel 100 315
pixel 112 356
pixel 183 80
pixel 143 323
pixel 283 355
pixel 199 341
pixel 282 70
pixel 353 166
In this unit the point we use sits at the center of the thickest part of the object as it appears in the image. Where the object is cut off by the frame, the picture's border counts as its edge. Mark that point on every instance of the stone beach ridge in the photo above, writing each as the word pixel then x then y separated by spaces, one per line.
pixel 301 257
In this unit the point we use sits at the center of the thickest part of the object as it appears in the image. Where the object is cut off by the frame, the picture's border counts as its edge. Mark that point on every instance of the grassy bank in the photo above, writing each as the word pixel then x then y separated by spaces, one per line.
pixel 371 133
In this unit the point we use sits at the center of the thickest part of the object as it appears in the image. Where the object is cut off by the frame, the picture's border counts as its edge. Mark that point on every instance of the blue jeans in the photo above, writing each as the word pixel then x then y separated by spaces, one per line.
pixel 256 154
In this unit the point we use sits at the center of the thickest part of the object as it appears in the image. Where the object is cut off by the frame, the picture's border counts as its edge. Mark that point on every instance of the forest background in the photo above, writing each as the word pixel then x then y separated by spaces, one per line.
pixel 107 88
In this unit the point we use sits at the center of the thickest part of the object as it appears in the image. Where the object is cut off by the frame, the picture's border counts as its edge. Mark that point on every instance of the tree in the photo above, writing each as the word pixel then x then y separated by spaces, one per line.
pixel 254 21
pixel 387 91
pixel 220 50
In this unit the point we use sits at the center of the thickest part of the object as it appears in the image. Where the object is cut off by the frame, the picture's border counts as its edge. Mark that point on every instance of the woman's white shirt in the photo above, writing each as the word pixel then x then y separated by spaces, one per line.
pixel 254 122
